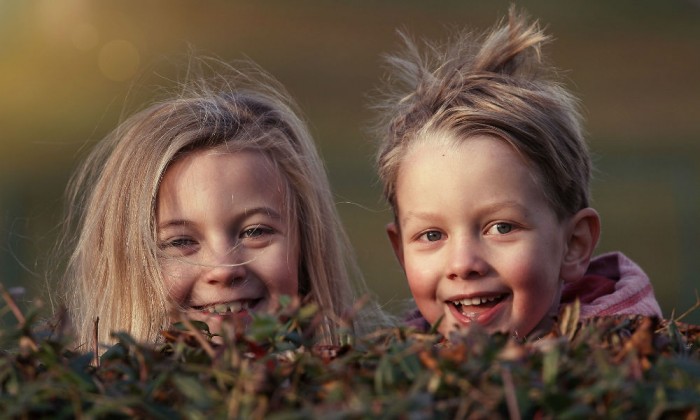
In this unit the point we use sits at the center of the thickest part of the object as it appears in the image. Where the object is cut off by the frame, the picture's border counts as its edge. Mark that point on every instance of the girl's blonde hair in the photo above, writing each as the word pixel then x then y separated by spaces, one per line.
pixel 114 272
pixel 494 85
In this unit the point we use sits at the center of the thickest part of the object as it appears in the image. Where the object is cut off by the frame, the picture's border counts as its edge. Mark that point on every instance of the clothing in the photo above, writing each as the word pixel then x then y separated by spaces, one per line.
pixel 414 319
pixel 612 285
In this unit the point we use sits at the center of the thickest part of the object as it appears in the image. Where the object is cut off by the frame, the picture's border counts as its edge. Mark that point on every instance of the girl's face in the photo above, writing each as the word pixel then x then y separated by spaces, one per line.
pixel 476 237
pixel 223 227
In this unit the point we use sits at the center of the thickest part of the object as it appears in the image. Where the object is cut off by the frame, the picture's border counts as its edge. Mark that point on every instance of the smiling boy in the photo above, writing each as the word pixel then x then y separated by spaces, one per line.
pixel 485 166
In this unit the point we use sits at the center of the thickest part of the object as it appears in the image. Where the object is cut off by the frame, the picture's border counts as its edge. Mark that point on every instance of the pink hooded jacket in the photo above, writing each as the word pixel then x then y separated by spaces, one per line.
pixel 613 285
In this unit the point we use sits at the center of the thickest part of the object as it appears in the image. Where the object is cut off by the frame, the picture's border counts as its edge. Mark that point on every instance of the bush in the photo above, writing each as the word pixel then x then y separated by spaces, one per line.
pixel 610 367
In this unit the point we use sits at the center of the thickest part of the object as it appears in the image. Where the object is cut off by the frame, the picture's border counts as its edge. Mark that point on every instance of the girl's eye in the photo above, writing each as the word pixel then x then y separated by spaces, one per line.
pixel 432 235
pixel 179 246
pixel 179 243
pixel 501 228
pixel 256 231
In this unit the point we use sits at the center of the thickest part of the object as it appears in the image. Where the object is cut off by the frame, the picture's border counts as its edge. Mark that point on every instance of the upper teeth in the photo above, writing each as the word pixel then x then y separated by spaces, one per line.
pixel 223 308
pixel 475 300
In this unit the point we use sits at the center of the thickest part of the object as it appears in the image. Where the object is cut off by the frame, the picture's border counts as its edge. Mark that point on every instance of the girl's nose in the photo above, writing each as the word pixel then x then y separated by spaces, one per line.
pixel 466 260
pixel 225 270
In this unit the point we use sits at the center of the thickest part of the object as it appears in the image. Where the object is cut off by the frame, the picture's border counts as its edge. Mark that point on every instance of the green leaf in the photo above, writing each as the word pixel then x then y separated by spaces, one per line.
pixel 192 389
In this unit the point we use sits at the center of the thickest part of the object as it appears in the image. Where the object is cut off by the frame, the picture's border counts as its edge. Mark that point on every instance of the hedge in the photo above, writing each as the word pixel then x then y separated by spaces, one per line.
pixel 631 367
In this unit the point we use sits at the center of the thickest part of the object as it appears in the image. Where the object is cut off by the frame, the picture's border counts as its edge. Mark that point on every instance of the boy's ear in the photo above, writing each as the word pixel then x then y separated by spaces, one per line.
pixel 394 234
pixel 583 232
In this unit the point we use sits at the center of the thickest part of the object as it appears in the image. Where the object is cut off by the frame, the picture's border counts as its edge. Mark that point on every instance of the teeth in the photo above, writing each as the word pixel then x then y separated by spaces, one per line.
pixel 475 301
pixel 223 308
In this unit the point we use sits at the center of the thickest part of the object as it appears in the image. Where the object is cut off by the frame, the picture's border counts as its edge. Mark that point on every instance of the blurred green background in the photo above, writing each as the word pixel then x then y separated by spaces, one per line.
pixel 69 69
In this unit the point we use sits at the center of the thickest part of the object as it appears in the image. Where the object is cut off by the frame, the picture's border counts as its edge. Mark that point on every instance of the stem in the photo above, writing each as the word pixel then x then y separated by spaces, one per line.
pixel 13 306
pixel 95 337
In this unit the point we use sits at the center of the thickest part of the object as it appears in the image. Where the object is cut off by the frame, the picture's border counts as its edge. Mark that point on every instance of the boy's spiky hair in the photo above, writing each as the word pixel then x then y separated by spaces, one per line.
pixel 496 84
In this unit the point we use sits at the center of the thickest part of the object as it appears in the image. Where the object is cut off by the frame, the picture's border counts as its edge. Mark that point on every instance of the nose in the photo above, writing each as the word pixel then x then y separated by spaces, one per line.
pixel 466 260
pixel 225 269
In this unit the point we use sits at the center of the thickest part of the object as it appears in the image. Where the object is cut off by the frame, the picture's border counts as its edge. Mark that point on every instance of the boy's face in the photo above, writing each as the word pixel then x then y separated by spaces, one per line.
pixel 476 237
pixel 223 229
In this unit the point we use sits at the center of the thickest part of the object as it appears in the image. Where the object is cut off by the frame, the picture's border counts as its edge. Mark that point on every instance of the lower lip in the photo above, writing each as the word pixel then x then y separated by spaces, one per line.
pixel 483 318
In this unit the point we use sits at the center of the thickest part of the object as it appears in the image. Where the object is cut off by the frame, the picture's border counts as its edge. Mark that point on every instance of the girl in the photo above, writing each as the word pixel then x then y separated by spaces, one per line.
pixel 213 203
pixel 485 166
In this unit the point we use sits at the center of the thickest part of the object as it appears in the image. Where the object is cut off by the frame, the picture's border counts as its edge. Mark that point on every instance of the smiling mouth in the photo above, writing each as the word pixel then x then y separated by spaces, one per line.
pixel 469 306
pixel 228 307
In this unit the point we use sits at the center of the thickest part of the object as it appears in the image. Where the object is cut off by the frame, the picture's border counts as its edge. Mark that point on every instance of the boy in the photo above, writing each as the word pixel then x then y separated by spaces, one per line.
pixel 485 166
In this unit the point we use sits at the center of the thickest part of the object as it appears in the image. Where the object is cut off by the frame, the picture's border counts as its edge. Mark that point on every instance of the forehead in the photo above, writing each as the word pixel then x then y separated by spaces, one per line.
pixel 436 146
pixel 241 163
pixel 442 169
pixel 215 173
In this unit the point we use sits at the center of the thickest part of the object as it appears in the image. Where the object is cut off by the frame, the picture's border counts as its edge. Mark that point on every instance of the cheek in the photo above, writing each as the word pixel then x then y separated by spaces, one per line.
pixel 288 280
pixel 423 285
pixel 535 288
pixel 419 280
pixel 178 280
pixel 282 273
pixel 531 273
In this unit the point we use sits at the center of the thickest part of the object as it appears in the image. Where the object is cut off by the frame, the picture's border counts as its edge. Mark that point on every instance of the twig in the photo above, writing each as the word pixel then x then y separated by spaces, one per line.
pixel 95 337
pixel 673 318
pixel 692 308
pixel 206 346
pixel 509 389
pixel 13 306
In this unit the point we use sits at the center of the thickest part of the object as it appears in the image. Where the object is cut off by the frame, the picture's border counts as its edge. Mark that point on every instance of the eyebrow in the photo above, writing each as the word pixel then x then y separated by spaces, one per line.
pixel 417 215
pixel 506 204
pixel 268 211
pixel 489 208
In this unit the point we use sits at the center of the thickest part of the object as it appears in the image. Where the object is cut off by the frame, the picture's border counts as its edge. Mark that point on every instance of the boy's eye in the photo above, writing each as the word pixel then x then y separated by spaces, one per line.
pixel 432 236
pixel 501 228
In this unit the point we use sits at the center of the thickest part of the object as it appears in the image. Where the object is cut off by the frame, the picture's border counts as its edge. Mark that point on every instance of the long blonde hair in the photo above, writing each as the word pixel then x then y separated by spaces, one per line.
pixel 114 272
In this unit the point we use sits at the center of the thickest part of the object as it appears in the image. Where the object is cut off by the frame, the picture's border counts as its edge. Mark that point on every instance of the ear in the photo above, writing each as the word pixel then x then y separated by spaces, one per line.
pixel 582 232
pixel 394 233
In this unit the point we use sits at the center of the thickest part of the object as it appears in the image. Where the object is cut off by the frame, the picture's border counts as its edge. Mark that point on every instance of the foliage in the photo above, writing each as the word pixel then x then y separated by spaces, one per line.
pixel 609 367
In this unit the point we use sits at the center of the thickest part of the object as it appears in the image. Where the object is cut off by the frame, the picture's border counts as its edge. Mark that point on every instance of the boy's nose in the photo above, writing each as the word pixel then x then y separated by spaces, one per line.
pixel 466 260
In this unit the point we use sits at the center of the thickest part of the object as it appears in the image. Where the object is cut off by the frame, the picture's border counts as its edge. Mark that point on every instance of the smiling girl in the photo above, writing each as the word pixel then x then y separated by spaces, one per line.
pixel 213 204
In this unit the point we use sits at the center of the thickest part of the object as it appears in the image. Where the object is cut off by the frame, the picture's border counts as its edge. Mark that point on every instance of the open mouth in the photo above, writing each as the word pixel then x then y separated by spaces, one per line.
pixel 470 307
pixel 228 307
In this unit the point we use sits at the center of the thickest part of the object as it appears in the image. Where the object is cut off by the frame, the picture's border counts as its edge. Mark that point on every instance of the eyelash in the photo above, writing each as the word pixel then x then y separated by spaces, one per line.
pixel 250 233
pixel 179 243
pixel 509 226
pixel 425 235
pixel 256 231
